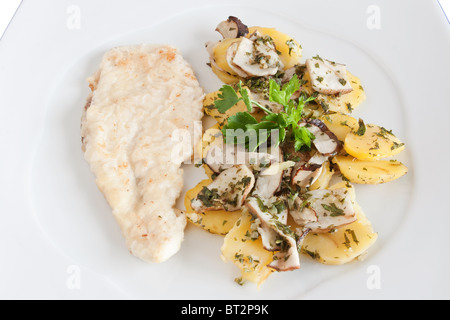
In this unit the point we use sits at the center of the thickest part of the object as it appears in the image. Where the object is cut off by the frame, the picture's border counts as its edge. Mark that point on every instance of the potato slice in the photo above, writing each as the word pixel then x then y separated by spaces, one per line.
pixel 306 83
pixel 376 143
pixel 247 253
pixel 344 245
pixel 340 124
pixel 346 185
pixel 369 172
pixel 290 50
pixel 225 77
pixel 345 103
pixel 216 222
pixel 220 55
pixel 210 137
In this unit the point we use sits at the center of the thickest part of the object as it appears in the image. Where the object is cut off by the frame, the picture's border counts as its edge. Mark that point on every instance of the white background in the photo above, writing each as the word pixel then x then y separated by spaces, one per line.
pixel 9 7
pixel 445 4
pixel 7 10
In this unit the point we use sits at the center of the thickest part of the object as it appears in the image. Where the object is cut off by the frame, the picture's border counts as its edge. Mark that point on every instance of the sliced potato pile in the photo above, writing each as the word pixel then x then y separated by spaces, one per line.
pixel 216 222
pixel 366 149
pixel 340 124
pixel 369 172
pixel 345 103
pixel 290 51
pixel 345 244
pixel 246 251
pixel 363 158
pixel 376 143
pixel 342 246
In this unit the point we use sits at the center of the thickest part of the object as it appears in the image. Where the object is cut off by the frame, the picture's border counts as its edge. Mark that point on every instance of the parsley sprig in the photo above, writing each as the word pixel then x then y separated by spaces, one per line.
pixel 228 98
pixel 243 128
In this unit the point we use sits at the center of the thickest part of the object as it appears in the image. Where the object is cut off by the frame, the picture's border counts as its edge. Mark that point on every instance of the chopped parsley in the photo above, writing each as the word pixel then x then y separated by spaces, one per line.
pixel 335 211
pixel 208 197
pixel 291 45
pixel 362 128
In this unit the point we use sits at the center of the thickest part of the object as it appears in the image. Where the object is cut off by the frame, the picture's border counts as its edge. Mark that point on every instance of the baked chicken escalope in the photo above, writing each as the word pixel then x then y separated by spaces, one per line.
pixel 140 96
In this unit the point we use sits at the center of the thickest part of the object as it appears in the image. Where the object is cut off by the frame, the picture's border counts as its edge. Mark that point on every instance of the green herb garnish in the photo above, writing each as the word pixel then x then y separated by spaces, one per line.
pixel 335 211
pixel 362 128
pixel 396 145
pixel 291 45
pixel 228 97
pixel 243 128
pixel 208 197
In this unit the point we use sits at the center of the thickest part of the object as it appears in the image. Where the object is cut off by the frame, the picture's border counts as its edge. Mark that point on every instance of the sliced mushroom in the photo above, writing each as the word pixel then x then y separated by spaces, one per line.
pixel 324 210
pixel 277 167
pixel 305 174
pixel 227 192
pixel 232 28
pixel 258 161
pixel 325 141
pixel 287 261
pixel 258 57
pixel 265 219
pixel 301 235
pixel 269 213
pixel 267 185
pixel 289 74
pixel 223 156
pixel 266 53
pixel 275 235
pixel 328 77
pixel 231 53
pixel 269 180
pixel 302 215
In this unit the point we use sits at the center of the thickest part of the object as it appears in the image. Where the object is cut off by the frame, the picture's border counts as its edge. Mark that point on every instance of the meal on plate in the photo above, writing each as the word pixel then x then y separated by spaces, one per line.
pixel 140 96
pixel 284 155
pixel 281 161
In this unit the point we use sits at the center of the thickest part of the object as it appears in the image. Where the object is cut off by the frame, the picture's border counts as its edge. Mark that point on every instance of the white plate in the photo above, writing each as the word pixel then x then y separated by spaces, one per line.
pixel 58 236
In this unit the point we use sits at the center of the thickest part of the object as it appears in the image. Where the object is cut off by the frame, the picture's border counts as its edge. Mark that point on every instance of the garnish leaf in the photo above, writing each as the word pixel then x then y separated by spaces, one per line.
pixel 245 97
pixel 227 99
pixel 291 87
pixel 279 118
pixel 237 129
pixel 253 133
pixel 303 137
pixel 283 96
pixel 241 120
